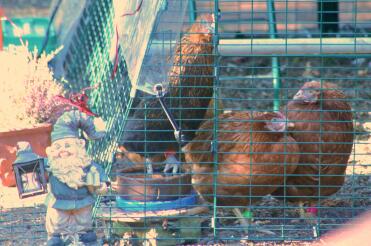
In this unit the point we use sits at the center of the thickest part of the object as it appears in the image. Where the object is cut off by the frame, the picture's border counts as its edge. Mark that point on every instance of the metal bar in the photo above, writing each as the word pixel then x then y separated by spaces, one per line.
pixel 214 142
pixel 282 46
pixel 275 62
pixel 192 11
pixel 109 164
pixel 169 115
pixel 238 47
pixel 177 130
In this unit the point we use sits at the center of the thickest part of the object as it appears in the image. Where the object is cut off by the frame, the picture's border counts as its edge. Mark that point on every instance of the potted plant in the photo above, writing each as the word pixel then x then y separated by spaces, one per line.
pixel 27 96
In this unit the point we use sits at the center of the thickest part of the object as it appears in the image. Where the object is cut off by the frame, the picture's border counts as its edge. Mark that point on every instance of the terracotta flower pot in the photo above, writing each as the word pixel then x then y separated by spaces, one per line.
pixel 39 138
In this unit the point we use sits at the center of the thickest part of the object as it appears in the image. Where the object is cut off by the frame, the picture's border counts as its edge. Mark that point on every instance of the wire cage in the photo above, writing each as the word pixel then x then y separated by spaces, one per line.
pixel 247 173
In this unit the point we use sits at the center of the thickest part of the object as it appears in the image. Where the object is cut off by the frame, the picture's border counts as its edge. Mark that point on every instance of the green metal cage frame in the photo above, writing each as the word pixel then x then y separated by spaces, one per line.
pixel 240 64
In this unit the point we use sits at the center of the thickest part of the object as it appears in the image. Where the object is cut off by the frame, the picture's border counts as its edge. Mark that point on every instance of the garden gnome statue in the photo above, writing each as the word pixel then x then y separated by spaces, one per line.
pixel 74 180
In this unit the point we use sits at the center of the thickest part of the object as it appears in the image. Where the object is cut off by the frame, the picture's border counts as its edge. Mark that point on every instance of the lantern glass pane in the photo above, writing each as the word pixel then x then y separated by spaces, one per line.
pixel 30 178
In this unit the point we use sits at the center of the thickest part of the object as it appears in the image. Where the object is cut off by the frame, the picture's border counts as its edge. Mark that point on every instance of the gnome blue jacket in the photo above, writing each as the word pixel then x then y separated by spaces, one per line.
pixel 63 197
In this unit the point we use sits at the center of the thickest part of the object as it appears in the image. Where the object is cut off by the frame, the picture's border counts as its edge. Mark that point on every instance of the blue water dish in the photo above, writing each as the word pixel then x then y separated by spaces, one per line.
pixel 142 206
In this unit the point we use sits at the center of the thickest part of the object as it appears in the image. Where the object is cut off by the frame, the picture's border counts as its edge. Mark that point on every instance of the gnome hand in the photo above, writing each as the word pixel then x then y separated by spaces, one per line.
pixel 103 189
pixel 99 190
pixel 94 183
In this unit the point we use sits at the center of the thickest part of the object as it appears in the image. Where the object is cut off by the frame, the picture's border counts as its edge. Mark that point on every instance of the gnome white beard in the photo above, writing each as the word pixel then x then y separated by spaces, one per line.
pixel 69 170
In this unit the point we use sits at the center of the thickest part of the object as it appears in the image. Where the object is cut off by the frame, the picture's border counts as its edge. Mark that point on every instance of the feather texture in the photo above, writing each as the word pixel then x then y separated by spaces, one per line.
pixel 188 95
pixel 324 132
pixel 252 160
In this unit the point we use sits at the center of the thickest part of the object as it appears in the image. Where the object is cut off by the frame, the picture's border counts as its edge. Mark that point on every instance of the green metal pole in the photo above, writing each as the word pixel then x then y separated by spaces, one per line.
pixel 348 46
pixel 109 166
pixel 275 62
pixel 214 144
pixel 192 11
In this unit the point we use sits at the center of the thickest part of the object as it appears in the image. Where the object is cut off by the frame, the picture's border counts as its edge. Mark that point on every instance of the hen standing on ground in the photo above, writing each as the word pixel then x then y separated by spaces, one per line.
pixel 324 132
pixel 149 132
pixel 254 156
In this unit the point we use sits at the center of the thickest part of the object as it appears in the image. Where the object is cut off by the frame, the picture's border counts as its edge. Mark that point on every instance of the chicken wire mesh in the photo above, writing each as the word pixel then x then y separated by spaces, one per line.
pixel 226 84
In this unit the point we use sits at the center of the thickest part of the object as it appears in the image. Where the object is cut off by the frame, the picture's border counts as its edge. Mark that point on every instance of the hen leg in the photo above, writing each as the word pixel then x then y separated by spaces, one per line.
pixel 302 210
pixel 172 167
pixel 247 222
pixel 176 169
pixel 244 222
pixel 309 215
pixel 173 164
pixel 149 166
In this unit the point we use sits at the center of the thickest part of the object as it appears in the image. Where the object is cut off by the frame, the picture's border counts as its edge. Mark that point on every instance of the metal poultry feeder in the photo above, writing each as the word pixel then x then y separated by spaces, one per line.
pixel 151 207
pixel 136 186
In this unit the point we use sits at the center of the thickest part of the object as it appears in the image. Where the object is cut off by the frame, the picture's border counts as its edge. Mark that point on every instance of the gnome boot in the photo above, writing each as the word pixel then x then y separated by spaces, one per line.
pixel 89 238
pixel 55 240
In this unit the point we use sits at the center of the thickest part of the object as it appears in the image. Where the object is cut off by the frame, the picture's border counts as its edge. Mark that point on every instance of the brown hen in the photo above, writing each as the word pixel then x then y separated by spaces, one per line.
pixel 254 156
pixel 149 132
pixel 324 132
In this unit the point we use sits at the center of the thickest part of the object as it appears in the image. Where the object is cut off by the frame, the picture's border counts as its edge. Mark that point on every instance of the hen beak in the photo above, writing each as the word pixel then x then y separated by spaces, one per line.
pixel 299 95
pixel 210 27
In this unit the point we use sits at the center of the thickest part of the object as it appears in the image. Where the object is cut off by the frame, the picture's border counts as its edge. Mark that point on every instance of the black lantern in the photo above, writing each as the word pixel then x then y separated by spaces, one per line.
pixel 29 172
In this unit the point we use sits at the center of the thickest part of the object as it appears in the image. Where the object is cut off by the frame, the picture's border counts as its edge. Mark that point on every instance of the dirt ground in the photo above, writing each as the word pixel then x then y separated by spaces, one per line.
pixel 21 221
pixel 245 83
